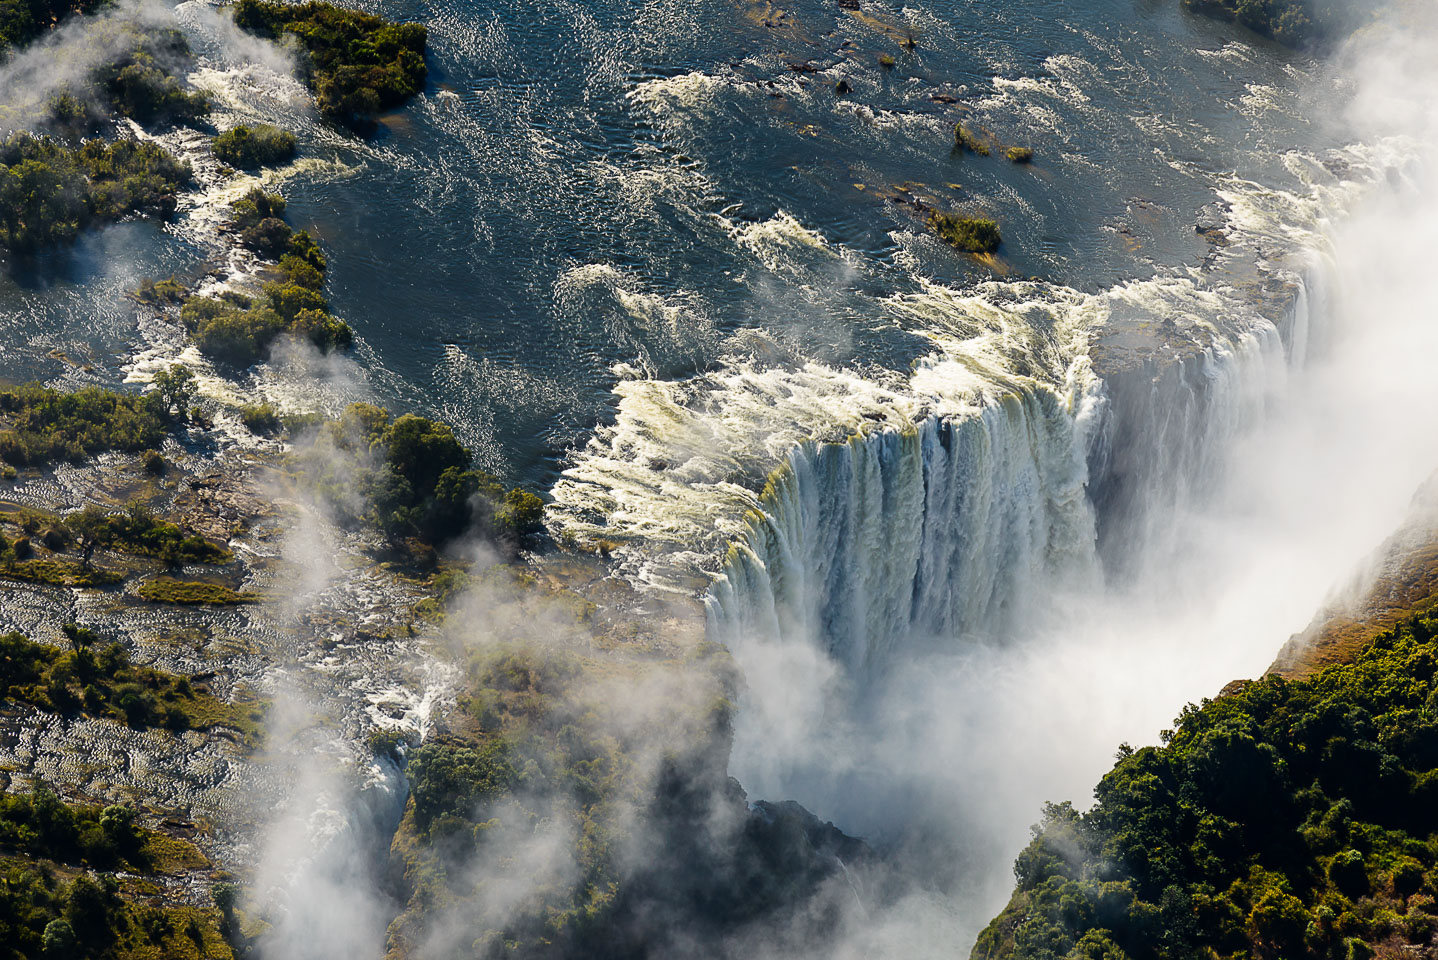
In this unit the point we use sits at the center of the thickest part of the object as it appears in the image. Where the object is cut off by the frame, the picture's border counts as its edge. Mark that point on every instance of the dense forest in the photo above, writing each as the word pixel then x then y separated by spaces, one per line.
pixel 1288 819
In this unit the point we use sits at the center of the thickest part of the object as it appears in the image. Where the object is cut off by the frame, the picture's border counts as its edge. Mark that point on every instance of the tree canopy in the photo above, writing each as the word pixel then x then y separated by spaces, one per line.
pixel 1289 819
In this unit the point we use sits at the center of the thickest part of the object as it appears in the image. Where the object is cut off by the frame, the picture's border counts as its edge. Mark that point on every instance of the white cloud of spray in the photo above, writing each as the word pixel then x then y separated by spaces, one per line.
pixel 65 60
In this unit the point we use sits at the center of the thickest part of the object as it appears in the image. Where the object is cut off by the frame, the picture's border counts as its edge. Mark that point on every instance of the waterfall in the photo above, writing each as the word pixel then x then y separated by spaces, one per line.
pixel 967 530
pixel 944 529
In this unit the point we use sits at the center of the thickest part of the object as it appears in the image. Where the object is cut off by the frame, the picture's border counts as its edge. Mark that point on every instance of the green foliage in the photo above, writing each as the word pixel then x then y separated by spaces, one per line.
pixel 39 425
pixel 966 139
pixel 50 192
pixel 138 82
pixel 250 147
pixel 1296 23
pixel 89 916
pixel 23 20
pixel 239 329
pixel 39 824
pixel 1289 819
pixel 260 419
pixel 138 530
pixel 160 291
pixel 192 592
pixel 105 683
pixel 966 233
pixel 1020 154
pixel 451 780
pixel 358 63
pixel 411 478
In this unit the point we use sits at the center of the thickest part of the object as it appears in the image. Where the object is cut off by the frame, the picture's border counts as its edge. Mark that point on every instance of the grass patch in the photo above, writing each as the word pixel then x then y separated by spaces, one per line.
pixel 63 573
pixel 192 593
pixel 968 234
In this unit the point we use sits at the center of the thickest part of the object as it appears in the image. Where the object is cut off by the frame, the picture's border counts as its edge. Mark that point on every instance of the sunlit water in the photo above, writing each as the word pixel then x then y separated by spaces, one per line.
pixel 644 255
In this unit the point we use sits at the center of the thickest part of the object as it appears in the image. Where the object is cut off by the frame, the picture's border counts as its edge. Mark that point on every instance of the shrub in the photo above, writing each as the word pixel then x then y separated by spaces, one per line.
pixel 1020 154
pixel 250 147
pixel 260 419
pixel 967 234
pixel 886 61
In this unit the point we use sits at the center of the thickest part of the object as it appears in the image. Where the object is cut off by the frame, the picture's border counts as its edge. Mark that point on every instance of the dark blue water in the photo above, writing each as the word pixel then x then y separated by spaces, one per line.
pixel 585 185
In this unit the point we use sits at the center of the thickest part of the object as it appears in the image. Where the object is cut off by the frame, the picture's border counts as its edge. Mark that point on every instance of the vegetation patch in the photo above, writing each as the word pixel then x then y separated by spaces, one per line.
pixel 137 70
pixel 358 64
pixel 1020 154
pixel 966 139
pixel 102 682
pixel 254 146
pixel 966 233
pixel 52 905
pixel 63 573
pixel 50 192
pixel 21 21
pixel 1289 819
pixel 409 477
pixel 138 530
pixel 239 329
pixel 39 425
pixel 192 592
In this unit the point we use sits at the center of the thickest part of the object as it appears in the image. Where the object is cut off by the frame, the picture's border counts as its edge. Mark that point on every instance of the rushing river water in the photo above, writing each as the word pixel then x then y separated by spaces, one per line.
pixel 648 257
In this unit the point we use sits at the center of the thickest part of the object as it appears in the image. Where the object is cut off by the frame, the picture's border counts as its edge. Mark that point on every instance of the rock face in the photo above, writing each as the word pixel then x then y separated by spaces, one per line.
pixel 1398 580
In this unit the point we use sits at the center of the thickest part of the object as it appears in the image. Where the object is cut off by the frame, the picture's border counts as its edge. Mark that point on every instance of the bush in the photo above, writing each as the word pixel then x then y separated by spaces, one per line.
pixel 967 234
pixel 260 419
pixel 251 147
pixel 1019 154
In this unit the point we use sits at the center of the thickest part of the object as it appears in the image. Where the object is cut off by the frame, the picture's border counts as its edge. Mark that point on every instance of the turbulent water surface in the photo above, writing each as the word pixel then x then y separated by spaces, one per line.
pixel 647 257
